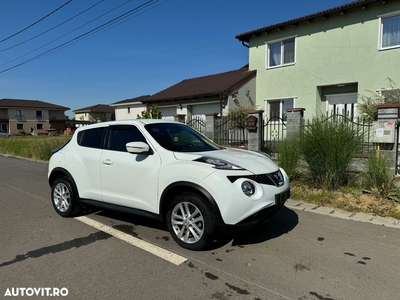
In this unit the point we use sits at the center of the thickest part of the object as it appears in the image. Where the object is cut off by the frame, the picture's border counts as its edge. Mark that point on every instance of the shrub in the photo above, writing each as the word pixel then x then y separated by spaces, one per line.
pixel 328 145
pixel 152 113
pixel 378 177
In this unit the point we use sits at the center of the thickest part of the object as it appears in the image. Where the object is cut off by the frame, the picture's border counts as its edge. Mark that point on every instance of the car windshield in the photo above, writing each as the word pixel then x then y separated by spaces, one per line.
pixel 180 138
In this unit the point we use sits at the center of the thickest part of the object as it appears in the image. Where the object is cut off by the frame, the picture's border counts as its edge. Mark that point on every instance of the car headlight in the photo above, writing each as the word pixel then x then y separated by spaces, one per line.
pixel 219 163
pixel 248 188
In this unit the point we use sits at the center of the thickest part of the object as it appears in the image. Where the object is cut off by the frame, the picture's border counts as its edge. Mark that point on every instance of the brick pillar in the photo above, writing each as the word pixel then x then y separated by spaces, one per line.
pixel 210 125
pixel 255 134
pixel 295 120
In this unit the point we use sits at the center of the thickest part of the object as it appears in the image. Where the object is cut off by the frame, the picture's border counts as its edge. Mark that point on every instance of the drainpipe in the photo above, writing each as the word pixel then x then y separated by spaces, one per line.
pixel 246 45
pixel 220 105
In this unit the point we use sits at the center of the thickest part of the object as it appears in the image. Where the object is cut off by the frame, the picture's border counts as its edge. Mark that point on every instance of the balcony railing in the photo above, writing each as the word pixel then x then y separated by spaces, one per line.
pixel 61 118
pixel 40 118
pixel 4 117
pixel 20 117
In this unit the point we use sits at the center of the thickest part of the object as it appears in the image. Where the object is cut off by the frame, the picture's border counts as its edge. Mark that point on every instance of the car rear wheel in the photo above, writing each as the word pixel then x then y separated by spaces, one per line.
pixel 63 197
pixel 191 221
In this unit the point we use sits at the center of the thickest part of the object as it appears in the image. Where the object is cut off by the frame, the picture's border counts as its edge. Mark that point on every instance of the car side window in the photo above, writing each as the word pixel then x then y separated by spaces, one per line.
pixel 119 136
pixel 91 137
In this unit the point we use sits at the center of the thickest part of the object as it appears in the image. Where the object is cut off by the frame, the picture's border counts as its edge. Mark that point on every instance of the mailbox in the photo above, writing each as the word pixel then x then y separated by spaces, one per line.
pixel 251 123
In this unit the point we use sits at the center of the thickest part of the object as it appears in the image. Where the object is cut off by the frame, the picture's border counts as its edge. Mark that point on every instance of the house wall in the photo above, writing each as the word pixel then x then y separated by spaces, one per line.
pixel 340 50
pixel 121 112
pixel 245 96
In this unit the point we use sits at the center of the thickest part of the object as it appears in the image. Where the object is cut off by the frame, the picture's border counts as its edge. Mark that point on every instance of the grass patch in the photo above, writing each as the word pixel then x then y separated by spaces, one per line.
pixel 34 147
pixel 349 198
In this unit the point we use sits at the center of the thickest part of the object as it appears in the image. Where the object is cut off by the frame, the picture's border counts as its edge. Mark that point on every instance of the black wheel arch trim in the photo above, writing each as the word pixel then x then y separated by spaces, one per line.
pixel 66 174
pixel 164 200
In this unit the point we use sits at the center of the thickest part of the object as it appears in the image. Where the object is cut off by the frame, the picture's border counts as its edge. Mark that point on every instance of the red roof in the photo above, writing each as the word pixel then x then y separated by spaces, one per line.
pixel 207 86
pixel 361 4
pixel 21 103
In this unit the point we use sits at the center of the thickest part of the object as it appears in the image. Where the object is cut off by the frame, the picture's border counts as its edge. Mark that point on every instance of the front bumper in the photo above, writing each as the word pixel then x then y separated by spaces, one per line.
pixel 260 217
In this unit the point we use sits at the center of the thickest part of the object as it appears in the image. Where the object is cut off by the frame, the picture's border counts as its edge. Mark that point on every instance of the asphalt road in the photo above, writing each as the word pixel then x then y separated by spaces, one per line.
pixel 299 255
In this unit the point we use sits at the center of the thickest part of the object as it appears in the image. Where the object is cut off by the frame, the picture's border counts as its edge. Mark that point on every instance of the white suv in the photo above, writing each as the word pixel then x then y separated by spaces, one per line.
pixel 167 170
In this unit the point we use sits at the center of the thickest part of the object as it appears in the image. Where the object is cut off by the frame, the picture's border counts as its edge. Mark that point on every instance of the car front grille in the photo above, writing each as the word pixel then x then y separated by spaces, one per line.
pixel 275 178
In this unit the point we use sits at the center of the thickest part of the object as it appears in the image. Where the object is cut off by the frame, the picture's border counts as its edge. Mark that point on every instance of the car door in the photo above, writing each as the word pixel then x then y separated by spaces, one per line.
pixel 128 179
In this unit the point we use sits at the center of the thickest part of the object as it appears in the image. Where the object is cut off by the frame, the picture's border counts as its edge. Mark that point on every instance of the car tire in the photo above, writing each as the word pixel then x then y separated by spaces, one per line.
pixel 64 198
pixel 191 221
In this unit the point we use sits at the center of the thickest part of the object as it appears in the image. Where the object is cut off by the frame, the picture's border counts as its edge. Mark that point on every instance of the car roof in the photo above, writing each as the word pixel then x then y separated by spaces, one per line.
pixel 128 122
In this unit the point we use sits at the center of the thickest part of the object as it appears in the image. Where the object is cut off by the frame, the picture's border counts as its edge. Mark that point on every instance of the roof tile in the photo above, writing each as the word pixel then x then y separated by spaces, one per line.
pixel 206 86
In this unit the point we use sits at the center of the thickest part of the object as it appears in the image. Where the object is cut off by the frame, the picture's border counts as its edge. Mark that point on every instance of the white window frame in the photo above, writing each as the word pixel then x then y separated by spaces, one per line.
pixel 267 45
pixel 268 101
pixel 380 35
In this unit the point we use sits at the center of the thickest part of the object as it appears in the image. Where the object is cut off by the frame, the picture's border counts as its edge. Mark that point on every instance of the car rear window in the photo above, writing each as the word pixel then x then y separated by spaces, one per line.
pixel 91 138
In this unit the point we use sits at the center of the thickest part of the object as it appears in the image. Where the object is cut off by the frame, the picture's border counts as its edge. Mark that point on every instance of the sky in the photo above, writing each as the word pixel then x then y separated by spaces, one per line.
pixel 79 53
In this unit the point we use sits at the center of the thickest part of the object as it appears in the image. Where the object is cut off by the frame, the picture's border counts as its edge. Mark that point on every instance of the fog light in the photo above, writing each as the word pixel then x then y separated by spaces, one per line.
pixel 248 188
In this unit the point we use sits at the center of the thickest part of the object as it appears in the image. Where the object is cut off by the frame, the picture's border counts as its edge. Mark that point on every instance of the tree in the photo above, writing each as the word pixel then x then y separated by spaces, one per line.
pixel 152 113
pixel 238 119
pixel 368 106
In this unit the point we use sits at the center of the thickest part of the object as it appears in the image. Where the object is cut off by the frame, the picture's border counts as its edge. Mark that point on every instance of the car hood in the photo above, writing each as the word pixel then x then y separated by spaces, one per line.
pixel 254 162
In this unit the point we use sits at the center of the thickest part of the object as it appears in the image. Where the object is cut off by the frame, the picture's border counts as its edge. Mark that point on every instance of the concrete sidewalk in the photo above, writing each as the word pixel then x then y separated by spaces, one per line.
pixel 338 213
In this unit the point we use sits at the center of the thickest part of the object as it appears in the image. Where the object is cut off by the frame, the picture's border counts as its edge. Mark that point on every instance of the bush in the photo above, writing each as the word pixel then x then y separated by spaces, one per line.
pixel 150 113
pixel 328 146
pixel 289 155
pixel 378 178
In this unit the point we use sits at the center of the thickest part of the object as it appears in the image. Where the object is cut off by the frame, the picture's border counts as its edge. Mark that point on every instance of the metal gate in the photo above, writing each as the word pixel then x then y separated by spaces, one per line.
pixel 198 124
pixel 273 131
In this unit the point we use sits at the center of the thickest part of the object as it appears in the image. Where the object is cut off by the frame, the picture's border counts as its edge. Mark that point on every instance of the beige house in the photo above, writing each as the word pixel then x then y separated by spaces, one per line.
pixel 31 116
pixel 129 108
pixel 217 93
pixel 95 113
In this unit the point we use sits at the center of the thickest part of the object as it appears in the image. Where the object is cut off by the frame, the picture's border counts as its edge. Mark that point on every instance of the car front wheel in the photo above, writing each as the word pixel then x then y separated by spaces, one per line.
pixel 191 221
pixel 63 198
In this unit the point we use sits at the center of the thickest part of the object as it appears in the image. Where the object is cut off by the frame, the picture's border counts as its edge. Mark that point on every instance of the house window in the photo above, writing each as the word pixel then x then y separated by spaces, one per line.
pixel 39 126
pixel 39 115
pixel 281 53
pixel 389 33
pixel 20 126
pixel 276 108
pixel 129 110
pixel 18 114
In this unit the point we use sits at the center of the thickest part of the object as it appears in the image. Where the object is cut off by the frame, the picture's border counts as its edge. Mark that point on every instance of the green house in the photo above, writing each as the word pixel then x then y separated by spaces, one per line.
pixel 323 62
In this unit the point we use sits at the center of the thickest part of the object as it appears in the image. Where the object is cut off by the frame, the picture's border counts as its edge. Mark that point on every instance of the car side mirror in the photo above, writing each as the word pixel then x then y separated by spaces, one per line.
pixel 137 147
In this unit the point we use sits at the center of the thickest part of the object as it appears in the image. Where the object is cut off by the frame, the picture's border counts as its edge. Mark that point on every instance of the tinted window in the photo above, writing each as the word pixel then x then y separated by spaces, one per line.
pixel 179 137
pixel 119 136
pixel 91 138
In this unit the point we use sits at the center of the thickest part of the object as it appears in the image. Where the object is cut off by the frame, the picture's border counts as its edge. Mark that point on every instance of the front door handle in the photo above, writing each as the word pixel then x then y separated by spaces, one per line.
pixel 107 162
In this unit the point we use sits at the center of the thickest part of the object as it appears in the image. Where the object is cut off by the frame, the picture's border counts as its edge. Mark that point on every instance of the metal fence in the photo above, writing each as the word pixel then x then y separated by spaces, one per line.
pixel 228 132
pixel 198 123
pixel 360 126
pixel 231 132
pixel 274 131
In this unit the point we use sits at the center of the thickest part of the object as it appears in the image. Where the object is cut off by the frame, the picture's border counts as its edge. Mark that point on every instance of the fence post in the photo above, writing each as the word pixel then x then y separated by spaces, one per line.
pixel 210 125
pixel 295 120
pixel 255 134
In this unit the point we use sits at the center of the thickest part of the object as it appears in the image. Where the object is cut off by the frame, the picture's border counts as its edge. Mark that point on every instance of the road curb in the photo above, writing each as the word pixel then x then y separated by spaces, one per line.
pixel 338 213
